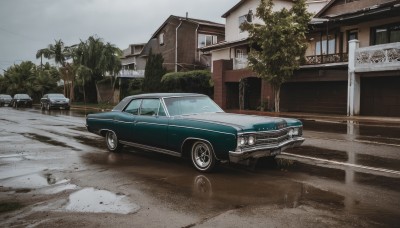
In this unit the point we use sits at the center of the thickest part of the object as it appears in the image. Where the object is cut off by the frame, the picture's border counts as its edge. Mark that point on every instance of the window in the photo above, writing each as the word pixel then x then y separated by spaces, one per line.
pixel 331 47
pixel 150 107
pixel 240 53
pixel 161 39
pixel 133 107
pixel 206 40
pixel 386 34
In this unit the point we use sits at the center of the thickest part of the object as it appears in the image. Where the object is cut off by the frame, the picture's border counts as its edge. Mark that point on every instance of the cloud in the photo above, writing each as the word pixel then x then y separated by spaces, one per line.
pixel 27 26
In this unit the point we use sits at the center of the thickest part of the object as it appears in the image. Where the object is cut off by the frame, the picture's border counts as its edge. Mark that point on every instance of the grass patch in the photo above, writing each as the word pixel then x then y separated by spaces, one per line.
pixel 9 206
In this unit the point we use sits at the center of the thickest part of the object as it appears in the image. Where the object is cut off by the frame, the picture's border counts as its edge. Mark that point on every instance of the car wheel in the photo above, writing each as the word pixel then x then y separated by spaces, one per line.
pixel 203 158
pixel 112 142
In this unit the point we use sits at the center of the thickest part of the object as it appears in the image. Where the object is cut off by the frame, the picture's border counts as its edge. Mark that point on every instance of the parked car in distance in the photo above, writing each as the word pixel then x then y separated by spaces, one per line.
pixel 21 100
pixel 5 100
pixel 192 125
pixel 54 100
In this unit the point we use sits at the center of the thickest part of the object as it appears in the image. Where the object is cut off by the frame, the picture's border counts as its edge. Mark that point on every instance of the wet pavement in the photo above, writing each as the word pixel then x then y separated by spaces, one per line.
pixel 347 174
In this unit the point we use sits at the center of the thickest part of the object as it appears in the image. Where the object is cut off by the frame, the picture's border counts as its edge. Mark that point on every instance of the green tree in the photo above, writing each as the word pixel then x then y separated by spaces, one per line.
pixel 154 71
pixel 278 46
pixel 100 59
pixel 60 54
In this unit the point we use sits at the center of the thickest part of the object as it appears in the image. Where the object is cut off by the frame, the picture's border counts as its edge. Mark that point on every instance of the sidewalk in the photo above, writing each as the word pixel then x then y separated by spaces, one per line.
pixel 324 117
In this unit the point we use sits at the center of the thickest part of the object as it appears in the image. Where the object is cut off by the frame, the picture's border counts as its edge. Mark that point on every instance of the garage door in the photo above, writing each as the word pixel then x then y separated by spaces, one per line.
pixel 380 96
pixel 317 97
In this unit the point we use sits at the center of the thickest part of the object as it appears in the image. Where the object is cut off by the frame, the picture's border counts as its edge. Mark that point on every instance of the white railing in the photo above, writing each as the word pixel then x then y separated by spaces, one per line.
pixel 378 58
pixel 131 74
pixel 240 63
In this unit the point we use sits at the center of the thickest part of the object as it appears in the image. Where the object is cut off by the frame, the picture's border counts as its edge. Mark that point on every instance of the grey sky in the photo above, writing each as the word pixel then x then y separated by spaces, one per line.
pixel 29 25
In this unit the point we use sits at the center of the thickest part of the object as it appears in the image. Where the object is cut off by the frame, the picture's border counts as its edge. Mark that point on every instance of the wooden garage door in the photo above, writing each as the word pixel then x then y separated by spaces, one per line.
pixel 380 96
pixel 314 97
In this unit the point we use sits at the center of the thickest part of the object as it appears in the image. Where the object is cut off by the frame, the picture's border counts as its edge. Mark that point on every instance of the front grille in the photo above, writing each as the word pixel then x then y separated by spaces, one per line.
pixel 270 138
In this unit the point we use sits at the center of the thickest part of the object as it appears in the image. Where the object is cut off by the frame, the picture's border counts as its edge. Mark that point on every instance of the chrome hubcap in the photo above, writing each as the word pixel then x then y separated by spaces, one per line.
pixel 202 155
pixel 111 140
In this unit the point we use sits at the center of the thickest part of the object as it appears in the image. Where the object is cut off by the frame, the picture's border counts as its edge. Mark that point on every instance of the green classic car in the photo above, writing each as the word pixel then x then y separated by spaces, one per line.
pixel 187 124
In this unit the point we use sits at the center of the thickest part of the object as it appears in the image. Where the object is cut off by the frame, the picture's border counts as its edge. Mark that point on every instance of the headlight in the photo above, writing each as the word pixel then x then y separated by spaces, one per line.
pixel 251 140
pixel 241 141
pixel 290 133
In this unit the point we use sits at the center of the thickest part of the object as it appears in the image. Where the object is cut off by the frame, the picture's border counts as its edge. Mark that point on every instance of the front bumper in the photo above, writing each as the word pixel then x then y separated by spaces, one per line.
pixel 59 105
pixel 264 151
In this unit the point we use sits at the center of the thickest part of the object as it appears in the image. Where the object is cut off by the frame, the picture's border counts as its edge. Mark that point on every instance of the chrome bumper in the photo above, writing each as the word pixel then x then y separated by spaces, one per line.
pixel 263 151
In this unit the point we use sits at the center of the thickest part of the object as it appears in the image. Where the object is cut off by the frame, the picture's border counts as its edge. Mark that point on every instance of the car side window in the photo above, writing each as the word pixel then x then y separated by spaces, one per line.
pixel 133 107
pixel 150 107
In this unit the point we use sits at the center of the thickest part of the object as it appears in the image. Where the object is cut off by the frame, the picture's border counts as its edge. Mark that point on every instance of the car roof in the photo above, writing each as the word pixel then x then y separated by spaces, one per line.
pixel 164 95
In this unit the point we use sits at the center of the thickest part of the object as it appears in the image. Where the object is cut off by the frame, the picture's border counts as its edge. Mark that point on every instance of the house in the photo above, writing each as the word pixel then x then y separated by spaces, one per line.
pixel 179 40
pixel 229 58
pixel 352 62
pixel 132 64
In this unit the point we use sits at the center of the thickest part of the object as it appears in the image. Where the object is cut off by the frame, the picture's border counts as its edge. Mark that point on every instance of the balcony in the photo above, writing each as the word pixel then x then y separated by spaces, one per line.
pixel 131 74
pixel 330 58
pixel 382 57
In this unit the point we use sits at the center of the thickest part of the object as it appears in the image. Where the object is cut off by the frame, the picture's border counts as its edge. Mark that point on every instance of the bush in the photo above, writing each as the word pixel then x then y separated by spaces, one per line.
pixel 197 81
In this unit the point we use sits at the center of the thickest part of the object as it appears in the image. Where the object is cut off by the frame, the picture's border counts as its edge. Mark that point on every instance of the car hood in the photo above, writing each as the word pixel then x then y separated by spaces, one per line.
pixel 245 122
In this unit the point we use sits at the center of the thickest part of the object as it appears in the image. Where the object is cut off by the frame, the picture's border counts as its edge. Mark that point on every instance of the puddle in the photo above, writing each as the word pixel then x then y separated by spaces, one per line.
pixel 47 140
pixel 100 201
pixel 31 181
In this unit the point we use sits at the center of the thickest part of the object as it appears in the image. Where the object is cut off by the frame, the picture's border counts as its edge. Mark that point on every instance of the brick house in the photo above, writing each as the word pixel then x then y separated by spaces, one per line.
pixel 352 67
pixel 179 40
pixel 352 63
pixel 230 58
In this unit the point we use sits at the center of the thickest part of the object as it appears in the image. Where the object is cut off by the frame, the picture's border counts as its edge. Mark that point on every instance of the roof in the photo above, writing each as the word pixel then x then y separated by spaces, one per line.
pixel 374 7
pixel 225 44
pixel 192 20
pixel 225 15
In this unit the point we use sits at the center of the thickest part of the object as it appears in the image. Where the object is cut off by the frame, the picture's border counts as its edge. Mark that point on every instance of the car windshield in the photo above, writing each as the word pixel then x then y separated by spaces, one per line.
pixel 190 105
pixel 23 96
pixel 56 96
pixel 5 96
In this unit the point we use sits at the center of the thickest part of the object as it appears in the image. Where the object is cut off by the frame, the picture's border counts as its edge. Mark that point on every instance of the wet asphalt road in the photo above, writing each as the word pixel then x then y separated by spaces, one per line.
pixel 53 173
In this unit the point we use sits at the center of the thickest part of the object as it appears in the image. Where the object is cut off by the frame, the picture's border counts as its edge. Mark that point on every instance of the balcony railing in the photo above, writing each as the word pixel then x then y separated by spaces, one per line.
pixel 330 58
pixel 131 74
pixel 240 63
pixel 378 58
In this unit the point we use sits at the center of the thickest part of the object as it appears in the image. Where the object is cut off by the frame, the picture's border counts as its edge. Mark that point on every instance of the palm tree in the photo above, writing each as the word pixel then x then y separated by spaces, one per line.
pixel 100 58
pixel 60 53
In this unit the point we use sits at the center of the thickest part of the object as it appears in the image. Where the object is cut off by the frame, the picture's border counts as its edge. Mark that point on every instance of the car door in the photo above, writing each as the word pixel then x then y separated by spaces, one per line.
pixel 152 124
pixel 124 121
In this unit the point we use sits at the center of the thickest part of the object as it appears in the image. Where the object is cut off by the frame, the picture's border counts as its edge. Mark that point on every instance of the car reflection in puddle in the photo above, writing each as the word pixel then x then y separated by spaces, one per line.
pixel 100 201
